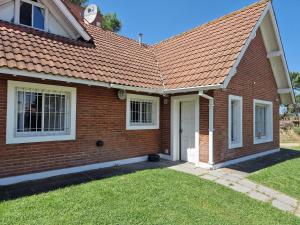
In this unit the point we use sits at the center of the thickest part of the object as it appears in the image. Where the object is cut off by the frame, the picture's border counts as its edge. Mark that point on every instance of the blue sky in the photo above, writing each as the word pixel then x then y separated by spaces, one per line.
pixel 160 19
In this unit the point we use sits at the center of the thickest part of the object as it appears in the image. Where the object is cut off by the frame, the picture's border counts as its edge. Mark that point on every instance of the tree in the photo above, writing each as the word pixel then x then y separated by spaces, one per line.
pixel 295 77
pixel 294 109
pixel 111 22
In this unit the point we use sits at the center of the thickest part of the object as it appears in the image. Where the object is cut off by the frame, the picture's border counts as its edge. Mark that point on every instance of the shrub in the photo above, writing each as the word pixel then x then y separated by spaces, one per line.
pixel 297 130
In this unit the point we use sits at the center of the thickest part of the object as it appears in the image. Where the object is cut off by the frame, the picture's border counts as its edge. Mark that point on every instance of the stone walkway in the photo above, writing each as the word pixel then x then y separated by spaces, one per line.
pixel 237 181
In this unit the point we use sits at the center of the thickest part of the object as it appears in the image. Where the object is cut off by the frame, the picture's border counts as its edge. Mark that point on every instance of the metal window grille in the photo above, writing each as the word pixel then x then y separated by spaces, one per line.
pixel 141 112
pixel 42 112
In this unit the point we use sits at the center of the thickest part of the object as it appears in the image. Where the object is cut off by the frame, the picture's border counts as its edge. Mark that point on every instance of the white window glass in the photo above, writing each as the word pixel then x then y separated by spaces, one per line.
pixel 260 121
pixel 235 122
pixel 263 121
pixel 142 112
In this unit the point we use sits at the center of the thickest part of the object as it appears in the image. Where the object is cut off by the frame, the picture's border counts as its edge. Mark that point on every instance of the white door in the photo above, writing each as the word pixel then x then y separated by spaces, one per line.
pixel 187 129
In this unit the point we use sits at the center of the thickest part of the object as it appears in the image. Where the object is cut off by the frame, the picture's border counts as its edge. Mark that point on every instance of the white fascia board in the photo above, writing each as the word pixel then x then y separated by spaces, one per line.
pixel 285 91
pixel 248 42
pixel 193 89
pixel 137 89
pixel 44 76
pixel 278 38
pixel 274 54
pixel 72 20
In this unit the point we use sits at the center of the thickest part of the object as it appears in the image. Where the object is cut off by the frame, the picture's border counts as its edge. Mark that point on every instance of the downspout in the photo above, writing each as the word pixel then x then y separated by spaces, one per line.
pixel 211 129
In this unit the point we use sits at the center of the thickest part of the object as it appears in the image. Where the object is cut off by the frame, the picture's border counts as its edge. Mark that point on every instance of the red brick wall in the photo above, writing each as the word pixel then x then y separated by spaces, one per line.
pixel 254 80
pixel 100 116
pixel 203 130
pixel 165 125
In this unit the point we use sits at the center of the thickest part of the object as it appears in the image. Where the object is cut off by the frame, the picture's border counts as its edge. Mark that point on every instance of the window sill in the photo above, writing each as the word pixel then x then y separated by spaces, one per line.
pixel 263 140
pixel 234 146
pixel 142 127
pixel 23 140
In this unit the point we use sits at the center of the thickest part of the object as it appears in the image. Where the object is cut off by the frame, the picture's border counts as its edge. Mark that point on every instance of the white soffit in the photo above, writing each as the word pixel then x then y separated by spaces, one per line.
pixel 67 15
pixel 268 25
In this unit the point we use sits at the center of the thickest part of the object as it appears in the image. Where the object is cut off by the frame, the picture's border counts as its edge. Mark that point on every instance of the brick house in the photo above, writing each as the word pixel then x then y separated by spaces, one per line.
pixel 74 97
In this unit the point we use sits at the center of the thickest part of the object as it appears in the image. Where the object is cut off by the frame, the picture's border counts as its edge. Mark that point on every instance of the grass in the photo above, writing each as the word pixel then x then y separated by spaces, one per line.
pixel 284 177
pixel 160 196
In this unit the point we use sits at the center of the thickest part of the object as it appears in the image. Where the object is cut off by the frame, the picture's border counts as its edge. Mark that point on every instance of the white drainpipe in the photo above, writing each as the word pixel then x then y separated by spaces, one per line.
pixel 211 128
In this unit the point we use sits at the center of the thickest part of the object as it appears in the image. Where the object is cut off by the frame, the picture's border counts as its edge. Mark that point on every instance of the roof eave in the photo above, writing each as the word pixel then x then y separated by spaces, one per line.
pixel 232 72
pixel 193 89
pixel 84 34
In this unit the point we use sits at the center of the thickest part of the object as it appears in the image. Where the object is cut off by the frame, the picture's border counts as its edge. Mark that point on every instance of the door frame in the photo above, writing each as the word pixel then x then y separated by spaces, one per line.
pixel 175 125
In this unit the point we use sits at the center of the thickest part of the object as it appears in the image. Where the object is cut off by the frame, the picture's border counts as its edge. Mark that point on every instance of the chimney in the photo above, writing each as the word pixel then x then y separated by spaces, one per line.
pixel 140 38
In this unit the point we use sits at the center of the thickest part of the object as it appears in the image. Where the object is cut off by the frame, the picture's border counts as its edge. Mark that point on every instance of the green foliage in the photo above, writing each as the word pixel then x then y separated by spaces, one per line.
pixel 295 76
pixel 80 2
pixel 111 22
pixel 297 130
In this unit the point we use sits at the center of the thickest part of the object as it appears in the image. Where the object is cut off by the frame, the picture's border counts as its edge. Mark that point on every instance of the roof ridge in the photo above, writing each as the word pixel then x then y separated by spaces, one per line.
pixel 260 2
pixel 118 35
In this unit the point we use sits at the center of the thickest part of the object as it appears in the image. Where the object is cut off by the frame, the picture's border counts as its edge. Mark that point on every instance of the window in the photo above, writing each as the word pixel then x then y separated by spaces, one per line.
pixel 32 14
pixel 263 121
pixel 235 122
pixel 40 113
pixel 142 112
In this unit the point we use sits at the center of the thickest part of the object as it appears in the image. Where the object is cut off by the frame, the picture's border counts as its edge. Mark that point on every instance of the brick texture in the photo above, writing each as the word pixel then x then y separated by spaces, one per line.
pixel 100 116
pixel 254 80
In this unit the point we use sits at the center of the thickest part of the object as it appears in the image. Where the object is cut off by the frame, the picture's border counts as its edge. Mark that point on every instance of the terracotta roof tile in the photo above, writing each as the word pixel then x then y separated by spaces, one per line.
pixel 202 56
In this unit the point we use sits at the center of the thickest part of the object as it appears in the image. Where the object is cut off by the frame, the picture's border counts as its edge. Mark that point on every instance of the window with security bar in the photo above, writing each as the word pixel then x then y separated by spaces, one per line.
pixel 142 112
pixel 39 113
pixel 42 112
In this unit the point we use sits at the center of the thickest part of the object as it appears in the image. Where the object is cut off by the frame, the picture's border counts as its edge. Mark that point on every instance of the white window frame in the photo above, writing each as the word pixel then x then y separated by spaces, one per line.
pixel 12 138
pixel 269 125
pixel 155 100
pixel 240 143
pixel 37 4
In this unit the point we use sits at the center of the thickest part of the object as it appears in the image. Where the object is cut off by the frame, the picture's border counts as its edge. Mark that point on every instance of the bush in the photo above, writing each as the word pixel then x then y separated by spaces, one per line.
pixel 297 130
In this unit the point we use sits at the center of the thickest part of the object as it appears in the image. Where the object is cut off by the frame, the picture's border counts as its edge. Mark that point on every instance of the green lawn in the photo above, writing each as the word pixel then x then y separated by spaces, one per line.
pixel 284 177
pixel 158 196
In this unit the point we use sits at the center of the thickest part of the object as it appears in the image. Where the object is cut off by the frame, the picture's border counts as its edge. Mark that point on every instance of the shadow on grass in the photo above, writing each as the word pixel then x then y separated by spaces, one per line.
pixel 266 161
pixel 29 188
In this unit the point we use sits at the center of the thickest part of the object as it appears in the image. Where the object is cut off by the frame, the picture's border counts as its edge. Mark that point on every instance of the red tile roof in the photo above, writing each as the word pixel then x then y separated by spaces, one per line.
pixel 202 56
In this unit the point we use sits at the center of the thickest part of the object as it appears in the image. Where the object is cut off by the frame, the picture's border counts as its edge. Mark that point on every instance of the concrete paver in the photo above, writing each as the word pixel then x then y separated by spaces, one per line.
pixel 282 206
pixel 259 196
pixel 238 182
pixel 239 188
